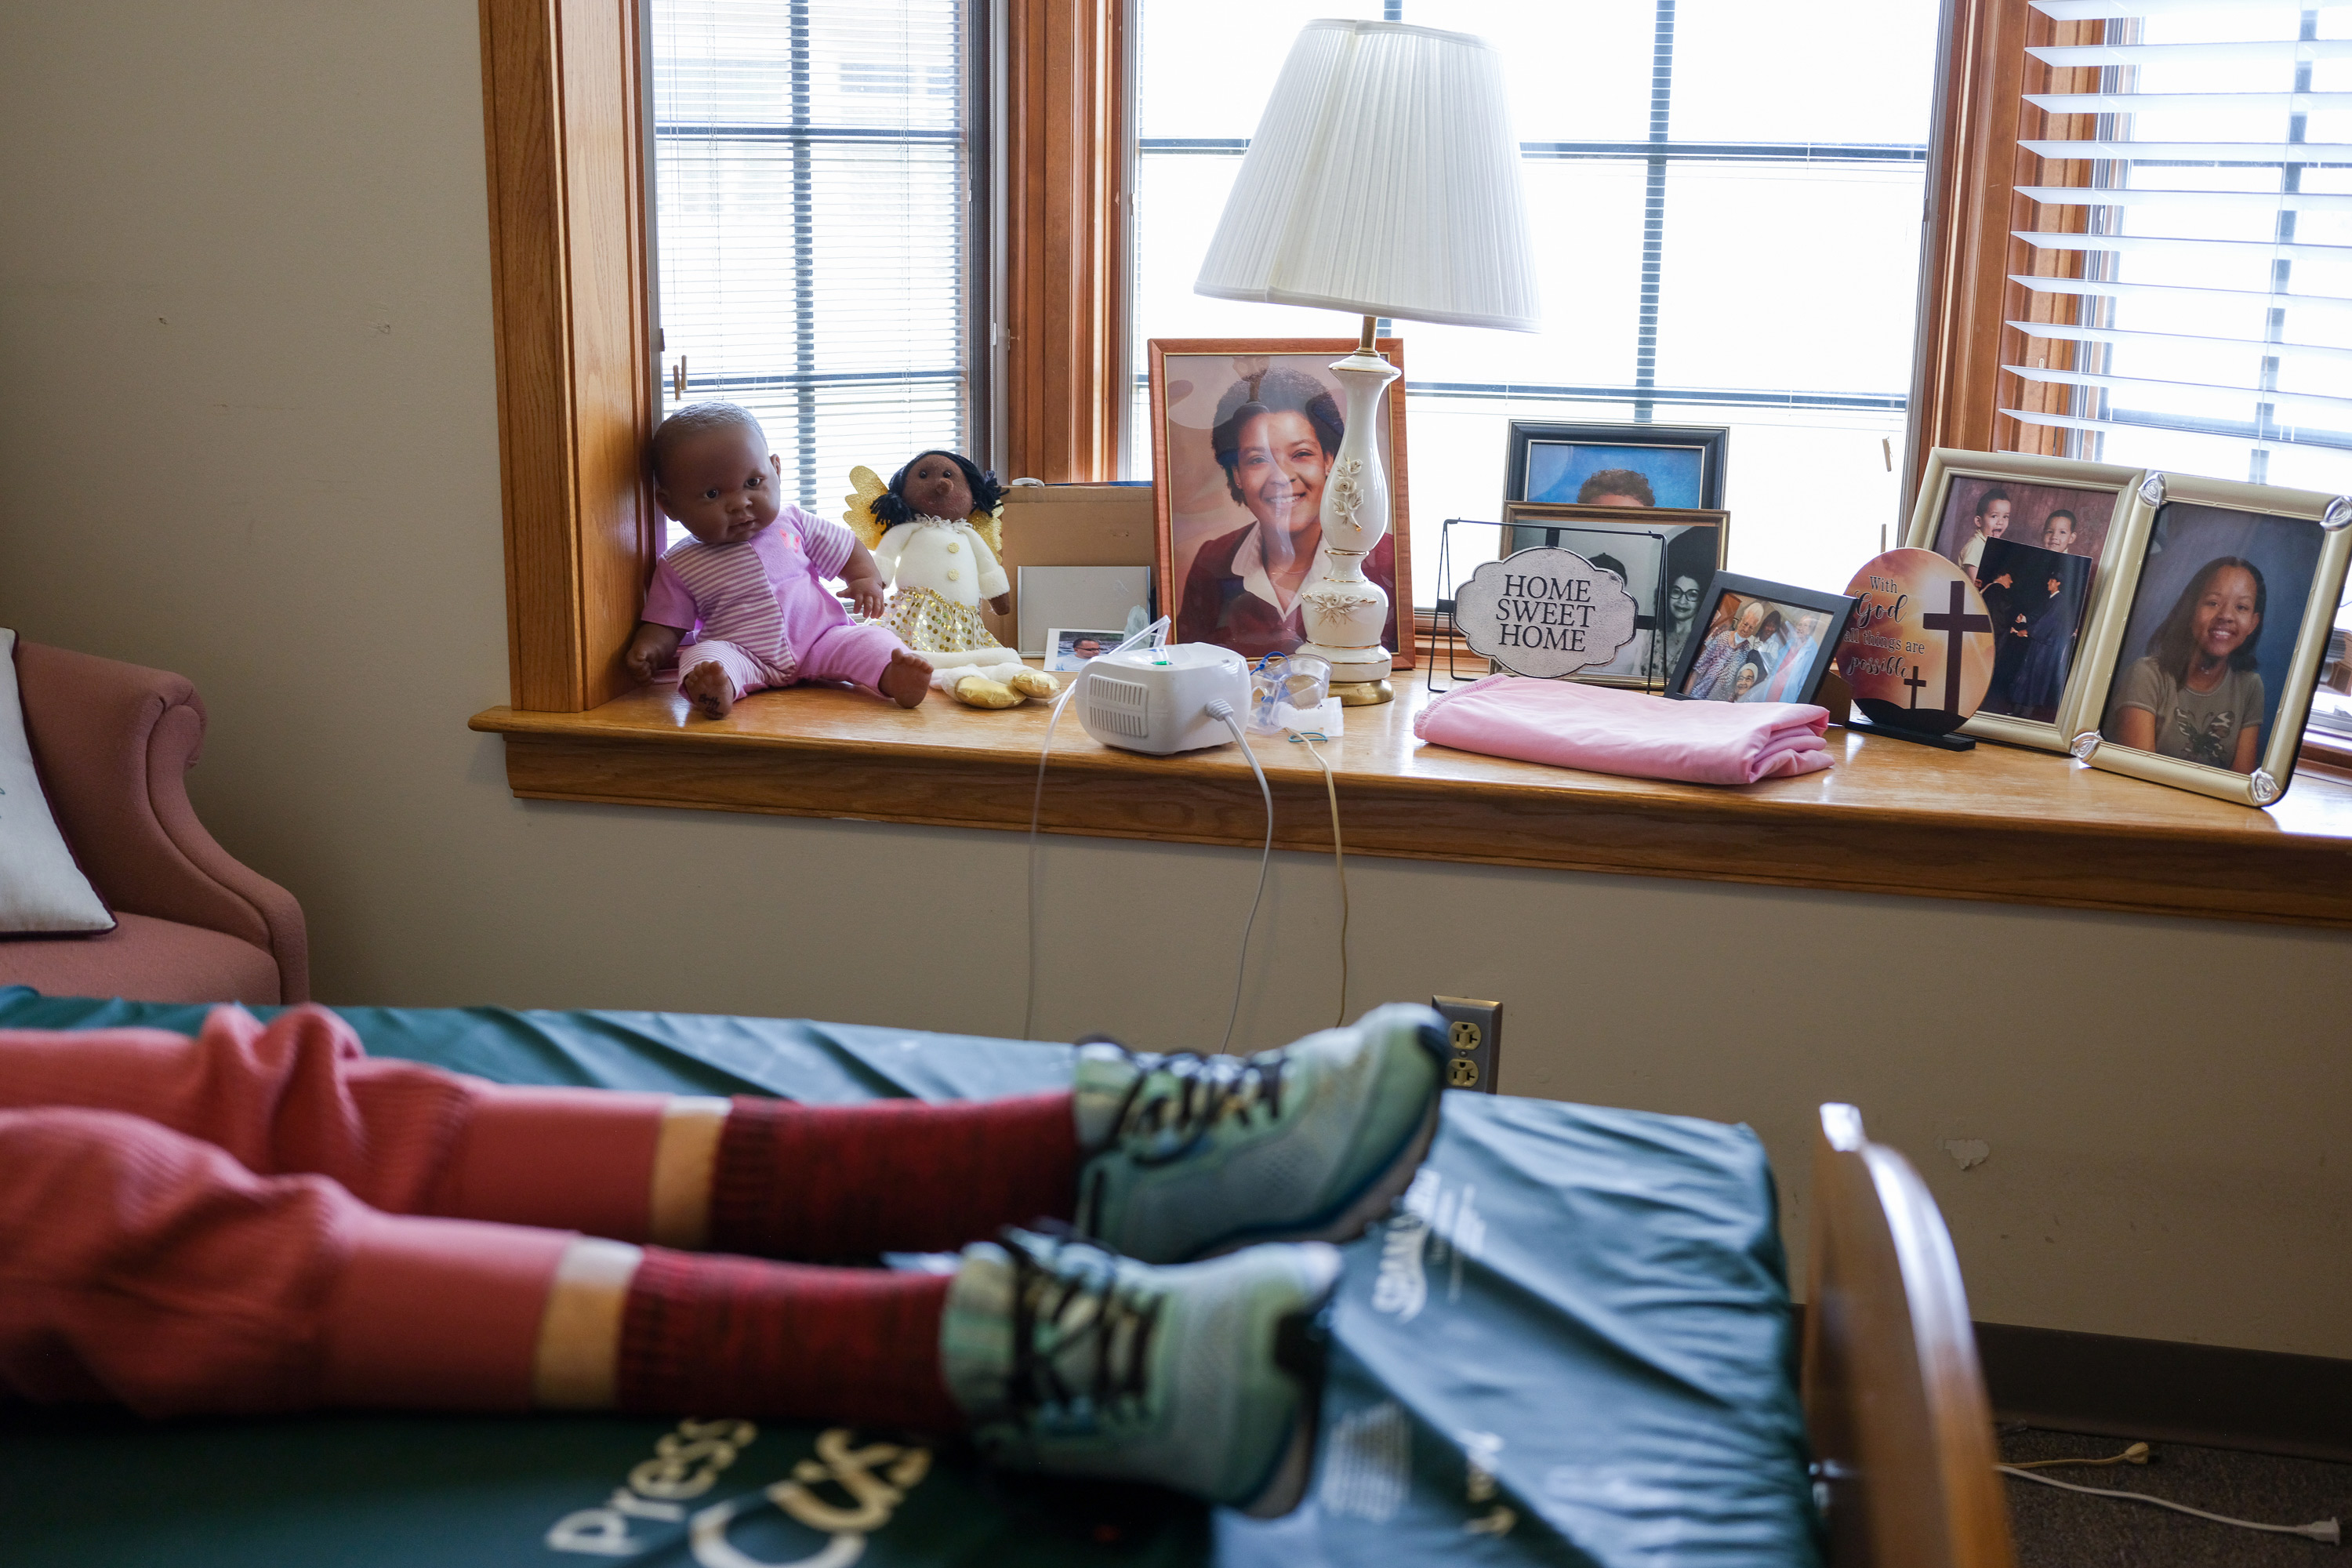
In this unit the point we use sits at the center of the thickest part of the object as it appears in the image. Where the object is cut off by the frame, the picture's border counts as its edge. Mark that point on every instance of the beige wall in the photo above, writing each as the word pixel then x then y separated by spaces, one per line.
pixel 246 433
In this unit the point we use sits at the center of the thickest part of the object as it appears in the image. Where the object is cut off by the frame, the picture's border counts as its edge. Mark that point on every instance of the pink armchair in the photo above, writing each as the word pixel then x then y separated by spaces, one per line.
pixel 114 743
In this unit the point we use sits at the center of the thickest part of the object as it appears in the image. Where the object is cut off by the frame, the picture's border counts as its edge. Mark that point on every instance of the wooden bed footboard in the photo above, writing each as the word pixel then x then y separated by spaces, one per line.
pixel 1901 1429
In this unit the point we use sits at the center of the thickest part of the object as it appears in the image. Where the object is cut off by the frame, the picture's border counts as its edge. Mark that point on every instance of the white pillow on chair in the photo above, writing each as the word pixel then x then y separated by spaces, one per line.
pixel 42 892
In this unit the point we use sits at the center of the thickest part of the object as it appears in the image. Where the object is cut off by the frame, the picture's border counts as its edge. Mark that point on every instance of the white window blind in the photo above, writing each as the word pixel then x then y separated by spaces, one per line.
pixel 814 223
pixel 2203 304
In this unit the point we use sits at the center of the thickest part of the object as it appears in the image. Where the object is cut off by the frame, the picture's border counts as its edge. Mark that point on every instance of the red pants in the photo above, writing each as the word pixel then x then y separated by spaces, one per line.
pixel 268 1219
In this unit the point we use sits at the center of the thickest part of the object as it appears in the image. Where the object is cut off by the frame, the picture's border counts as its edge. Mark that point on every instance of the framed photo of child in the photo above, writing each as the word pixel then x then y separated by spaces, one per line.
pixel 2037 536
pixel 1760 642
pixel 1664 556
pixel 1630 465
pixel 1244 432
pixel 2201 675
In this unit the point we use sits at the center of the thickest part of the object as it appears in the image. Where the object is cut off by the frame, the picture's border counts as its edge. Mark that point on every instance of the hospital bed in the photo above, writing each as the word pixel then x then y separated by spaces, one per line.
pixel 1572 1343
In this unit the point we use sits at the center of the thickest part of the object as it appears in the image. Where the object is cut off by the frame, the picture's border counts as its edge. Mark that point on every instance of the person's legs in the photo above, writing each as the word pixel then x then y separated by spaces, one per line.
pixel 1176 1157
pixel 142 1266
pixel 145 1267
pixel 302 1095
pixel 761 1176
pixel 826 1182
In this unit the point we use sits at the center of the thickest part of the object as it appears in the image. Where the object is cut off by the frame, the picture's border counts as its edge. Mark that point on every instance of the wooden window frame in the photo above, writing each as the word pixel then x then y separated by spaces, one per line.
pixel 1969 250
pixel 570 278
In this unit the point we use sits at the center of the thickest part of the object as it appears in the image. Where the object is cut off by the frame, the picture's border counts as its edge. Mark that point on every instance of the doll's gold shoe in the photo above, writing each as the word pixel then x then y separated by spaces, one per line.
pixel 979 691
pixel 1034 683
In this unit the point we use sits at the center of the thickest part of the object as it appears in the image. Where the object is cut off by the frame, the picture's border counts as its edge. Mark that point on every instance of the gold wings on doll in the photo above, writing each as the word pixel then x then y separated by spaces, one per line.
pixel 867 488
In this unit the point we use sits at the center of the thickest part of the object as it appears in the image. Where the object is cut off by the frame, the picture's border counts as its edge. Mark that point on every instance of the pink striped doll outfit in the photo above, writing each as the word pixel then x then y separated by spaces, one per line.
pixel 760 609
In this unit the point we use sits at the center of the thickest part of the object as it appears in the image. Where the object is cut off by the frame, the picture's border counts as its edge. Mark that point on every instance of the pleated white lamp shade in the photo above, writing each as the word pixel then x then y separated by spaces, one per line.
pixel 1383 181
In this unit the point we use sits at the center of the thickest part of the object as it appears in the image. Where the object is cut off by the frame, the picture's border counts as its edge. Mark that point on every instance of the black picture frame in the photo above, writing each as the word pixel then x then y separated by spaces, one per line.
pixel 1834 609
pixel 1708 445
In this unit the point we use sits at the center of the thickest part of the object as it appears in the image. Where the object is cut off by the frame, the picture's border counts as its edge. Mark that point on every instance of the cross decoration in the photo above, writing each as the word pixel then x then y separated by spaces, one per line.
pixel 1957 623
pixel 1914 683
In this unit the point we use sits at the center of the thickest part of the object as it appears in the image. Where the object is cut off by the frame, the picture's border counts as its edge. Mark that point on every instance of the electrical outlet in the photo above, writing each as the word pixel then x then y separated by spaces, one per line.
pixel 1475 1029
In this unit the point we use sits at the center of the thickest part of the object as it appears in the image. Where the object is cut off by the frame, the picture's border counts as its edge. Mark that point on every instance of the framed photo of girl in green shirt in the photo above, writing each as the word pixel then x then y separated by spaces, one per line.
pixel 2203 668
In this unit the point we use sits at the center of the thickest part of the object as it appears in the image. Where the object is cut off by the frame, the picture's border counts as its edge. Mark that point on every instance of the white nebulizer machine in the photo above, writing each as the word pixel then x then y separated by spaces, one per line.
pixel 1157 700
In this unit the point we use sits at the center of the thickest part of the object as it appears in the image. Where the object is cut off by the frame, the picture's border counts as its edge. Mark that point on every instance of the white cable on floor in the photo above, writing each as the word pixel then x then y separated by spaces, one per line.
pixel 1223 712
pixel 1339 858
pixel 2326 1529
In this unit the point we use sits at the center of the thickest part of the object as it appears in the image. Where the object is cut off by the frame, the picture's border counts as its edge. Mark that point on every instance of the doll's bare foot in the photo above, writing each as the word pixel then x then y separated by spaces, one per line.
pixel 706 687
pixel 905 680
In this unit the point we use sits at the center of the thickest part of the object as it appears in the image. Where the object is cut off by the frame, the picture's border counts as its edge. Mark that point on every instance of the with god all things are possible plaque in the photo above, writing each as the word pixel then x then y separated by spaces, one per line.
pixel 1545 612
pixel 1919 649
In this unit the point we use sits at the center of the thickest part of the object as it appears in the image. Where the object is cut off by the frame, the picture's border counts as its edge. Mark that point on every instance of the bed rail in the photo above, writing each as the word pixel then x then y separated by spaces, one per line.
pixel 1901 1429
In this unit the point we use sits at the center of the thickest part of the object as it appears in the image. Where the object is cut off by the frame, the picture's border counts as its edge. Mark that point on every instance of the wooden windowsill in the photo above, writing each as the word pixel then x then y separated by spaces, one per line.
pixel 1997 823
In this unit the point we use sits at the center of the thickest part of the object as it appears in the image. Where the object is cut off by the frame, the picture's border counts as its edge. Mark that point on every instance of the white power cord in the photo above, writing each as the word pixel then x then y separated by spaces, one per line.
pixel 1157 634
pixel 1223 712
pixel 1339 859
pixel 2326 1529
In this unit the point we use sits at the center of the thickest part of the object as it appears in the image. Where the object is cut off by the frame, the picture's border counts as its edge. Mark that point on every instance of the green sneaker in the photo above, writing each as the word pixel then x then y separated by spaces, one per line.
pixel 1189 1156
pixel 1206 1377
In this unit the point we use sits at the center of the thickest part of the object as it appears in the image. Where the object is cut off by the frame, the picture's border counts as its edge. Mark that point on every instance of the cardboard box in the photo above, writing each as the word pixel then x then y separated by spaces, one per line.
pixel 1071 525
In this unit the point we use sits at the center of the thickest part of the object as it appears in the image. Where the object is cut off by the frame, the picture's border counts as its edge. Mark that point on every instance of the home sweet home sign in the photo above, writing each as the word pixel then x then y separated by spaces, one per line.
pixel 1545 612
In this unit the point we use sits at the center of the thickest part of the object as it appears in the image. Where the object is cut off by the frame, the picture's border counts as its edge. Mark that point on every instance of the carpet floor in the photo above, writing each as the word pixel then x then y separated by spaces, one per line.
pixel 2066 1530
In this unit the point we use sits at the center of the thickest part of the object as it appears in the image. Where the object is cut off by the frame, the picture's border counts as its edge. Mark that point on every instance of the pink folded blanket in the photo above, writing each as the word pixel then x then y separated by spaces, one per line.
pixel 1608 730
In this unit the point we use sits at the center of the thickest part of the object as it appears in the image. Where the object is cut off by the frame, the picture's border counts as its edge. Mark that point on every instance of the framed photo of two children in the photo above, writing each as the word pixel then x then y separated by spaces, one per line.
pixel 2161 625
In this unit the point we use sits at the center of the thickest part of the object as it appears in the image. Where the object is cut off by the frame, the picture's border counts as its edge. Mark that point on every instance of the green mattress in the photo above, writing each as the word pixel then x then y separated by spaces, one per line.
pixel 1571 1344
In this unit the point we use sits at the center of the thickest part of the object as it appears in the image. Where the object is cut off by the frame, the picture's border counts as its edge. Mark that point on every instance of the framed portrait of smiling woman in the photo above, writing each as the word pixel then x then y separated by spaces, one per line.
pixel 1244 431
pixel 2202 671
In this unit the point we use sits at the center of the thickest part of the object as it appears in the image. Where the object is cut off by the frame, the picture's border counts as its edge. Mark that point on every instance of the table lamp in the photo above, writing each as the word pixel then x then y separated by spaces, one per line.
pixel 1384 180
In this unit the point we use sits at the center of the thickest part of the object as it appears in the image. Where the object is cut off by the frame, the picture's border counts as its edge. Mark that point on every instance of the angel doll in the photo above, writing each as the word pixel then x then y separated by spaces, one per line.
pixel 935 529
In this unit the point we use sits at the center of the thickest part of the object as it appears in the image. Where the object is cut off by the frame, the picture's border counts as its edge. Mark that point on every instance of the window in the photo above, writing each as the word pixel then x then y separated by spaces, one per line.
pixel 815 215
pixel 2198 177
pixel 1726 214
pixel 2190 298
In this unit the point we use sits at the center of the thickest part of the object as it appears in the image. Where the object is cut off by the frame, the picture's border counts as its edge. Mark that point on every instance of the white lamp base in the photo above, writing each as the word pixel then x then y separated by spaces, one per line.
pixel 1347 615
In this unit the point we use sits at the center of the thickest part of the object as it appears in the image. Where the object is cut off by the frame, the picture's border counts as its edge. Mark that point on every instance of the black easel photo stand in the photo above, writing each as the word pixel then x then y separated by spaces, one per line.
pixel 1862 724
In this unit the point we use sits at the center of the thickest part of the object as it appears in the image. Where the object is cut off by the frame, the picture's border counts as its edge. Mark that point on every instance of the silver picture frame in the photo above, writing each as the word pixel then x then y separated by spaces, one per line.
pixel 2123 535
pixel 2330 519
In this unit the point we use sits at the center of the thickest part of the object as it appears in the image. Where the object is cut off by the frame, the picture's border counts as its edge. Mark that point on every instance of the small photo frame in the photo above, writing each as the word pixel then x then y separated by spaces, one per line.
pixel 1068 650
pixel 2201 675
pixel 1237 555
pixel 2015 506
pixel 1665 555
pixel 1762 642
pixel 1675 466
